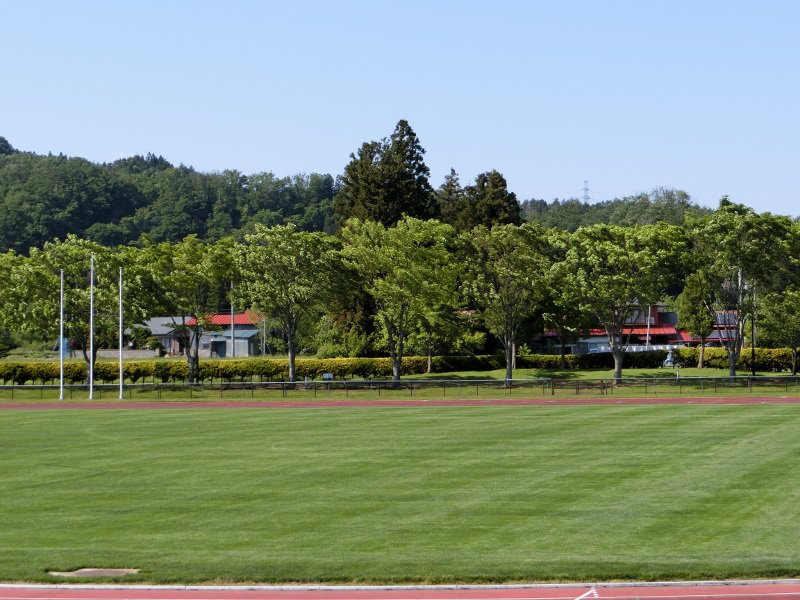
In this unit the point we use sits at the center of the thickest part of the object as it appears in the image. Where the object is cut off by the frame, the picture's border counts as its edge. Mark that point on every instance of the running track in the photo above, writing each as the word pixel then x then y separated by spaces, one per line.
pixel 784 590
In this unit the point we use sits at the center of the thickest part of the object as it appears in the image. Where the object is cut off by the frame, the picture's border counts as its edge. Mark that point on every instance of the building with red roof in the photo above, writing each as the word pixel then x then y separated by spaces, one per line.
pixel 221 336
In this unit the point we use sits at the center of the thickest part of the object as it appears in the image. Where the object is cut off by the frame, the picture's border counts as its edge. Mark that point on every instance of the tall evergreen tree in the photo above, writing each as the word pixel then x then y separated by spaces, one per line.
pixel 5 146
pixel 386 180
pixel 451 199
pixel 490 203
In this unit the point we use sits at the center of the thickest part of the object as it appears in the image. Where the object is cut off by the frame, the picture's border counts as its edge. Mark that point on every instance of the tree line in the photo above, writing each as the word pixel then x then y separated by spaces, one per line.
pixel 375 261
pixel 422 286
pixel 146 197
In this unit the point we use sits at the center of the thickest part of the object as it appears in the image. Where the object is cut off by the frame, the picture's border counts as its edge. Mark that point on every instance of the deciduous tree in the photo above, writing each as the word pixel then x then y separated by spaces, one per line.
pixel 190 279
pixel 741 251
pixel 284 275
pixel 779 320
pixel 37 281
pixel 616 271
pixel 407 269
pixel 695 307
pixel 505 276
pixel 561 307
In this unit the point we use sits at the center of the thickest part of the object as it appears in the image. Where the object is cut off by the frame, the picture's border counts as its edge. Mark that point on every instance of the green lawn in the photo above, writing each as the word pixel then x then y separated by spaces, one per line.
pixel 428 494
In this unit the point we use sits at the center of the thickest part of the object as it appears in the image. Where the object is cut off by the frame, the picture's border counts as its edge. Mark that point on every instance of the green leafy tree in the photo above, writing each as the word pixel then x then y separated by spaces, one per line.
pixel 228 190
pixel 267 201
pixel 742 251
pixel 560 304
pixel 386 180
pixel 406 269
pixel 616 271
pixel 504 279
pixel 695 308
pixel 779 321
pixel 283 275
pixel 37 280
pixel 190 279
pixel 11 300
pixel 313 208
pixel 661 205
pixel 182 204
pixel 48 197
pixel 436 331
pixel 348 327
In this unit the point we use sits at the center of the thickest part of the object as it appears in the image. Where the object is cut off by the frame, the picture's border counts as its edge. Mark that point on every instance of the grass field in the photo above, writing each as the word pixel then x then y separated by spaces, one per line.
pixel 467 494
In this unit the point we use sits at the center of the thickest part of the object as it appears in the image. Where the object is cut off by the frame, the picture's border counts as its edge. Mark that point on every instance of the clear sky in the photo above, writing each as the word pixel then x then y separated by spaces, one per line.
pixel 702 96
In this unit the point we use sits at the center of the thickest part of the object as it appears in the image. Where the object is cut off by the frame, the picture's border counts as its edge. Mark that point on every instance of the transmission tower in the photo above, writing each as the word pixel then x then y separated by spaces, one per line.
pixel 586 197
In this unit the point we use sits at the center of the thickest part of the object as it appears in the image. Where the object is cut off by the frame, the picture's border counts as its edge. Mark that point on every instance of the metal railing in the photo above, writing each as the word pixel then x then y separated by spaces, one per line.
pixel 416 388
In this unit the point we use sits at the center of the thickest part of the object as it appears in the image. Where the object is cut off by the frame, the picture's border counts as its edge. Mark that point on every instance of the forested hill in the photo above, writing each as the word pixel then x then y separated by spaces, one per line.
pixel 47 197
pixel 660 205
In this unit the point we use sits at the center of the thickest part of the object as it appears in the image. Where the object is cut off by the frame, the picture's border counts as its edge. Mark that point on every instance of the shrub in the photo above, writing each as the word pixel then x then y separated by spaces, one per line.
pixel 767 359
pixel 161 371
pixel 106 371
pixel 136 370
pixel 267 368
pixel 75 372
pixel 6 372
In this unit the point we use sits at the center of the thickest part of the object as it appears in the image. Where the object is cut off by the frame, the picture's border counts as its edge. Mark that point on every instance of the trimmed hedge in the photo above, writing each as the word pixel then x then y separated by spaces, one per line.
pixel 767 359
pixel 269 369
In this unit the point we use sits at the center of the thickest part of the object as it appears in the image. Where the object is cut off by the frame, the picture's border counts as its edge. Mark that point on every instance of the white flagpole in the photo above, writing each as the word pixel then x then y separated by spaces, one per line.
pixel 233 327
pixel 61 341
pixel 121 370
pixel 91 330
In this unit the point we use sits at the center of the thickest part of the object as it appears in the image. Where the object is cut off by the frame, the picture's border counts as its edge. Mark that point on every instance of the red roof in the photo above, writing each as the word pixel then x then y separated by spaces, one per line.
pixel 660 330
pixel 223 320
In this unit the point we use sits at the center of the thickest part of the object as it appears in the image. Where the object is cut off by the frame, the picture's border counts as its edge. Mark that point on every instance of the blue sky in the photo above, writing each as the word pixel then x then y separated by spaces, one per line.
pixel 702 96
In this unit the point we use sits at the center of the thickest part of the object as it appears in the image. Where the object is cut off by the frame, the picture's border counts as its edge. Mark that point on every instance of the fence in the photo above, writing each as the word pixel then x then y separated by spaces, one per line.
pixel 415 389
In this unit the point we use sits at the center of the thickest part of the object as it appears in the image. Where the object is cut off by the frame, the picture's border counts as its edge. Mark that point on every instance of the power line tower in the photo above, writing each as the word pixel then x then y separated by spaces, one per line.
pixel 586 197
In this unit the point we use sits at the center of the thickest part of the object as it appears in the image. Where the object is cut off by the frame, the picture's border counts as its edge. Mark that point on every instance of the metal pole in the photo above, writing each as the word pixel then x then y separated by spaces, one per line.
pixel 753 336
pixel 61 341
pixel 233 336
pixel 121 341
pixel 91 330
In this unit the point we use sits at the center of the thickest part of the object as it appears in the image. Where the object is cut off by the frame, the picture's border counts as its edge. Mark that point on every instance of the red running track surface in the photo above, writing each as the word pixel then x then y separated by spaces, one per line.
pixel 789 590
